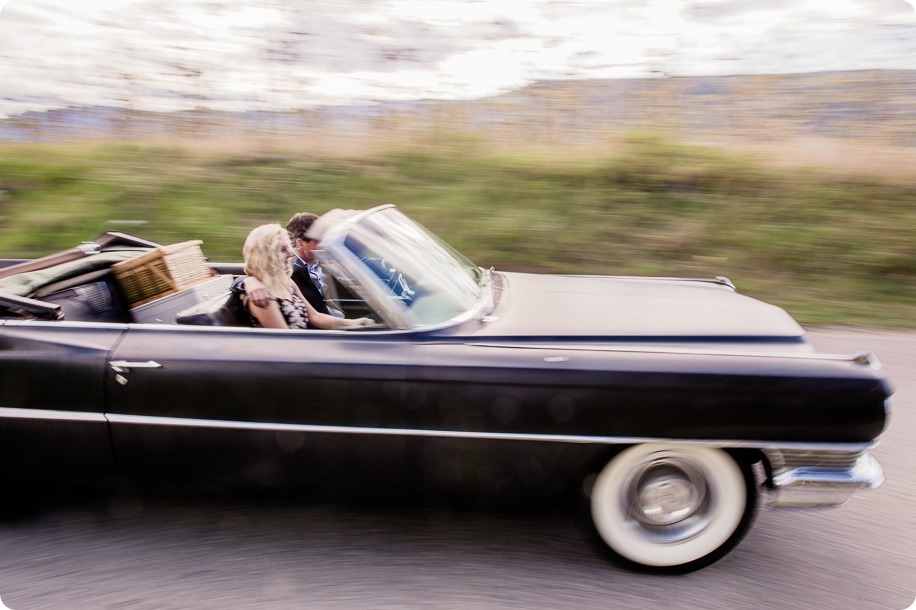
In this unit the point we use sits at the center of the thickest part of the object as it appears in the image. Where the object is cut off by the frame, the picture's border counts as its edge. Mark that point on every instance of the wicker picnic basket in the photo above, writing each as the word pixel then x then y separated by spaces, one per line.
pixel 161 272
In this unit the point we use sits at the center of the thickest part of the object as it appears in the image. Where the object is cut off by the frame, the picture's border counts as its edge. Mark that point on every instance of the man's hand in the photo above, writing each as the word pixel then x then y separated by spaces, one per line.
pixel 257 292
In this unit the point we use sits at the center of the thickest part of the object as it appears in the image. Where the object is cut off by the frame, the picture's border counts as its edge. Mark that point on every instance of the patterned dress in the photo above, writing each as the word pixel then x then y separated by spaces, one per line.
pixel 294 312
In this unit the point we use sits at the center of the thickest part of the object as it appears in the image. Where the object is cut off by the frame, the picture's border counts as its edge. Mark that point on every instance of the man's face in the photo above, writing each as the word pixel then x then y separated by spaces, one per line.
pixel 305 248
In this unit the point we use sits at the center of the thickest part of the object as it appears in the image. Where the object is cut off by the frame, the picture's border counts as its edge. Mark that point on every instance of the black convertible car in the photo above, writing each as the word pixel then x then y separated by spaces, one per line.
pixel 676 406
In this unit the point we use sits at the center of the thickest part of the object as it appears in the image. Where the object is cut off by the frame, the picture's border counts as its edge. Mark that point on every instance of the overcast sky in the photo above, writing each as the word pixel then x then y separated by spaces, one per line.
pixel 281 54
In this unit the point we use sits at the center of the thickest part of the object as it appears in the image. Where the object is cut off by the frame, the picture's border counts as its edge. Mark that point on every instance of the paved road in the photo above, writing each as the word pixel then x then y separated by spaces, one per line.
pixel 132 552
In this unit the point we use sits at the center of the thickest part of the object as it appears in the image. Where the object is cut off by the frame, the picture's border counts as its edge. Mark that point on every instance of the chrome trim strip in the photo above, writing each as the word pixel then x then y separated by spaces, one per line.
pixel 636 349
pixel 185 328
pixel 721 279
pixel 42 414
pixel 461 318
pixel 73 324
pixel 118 418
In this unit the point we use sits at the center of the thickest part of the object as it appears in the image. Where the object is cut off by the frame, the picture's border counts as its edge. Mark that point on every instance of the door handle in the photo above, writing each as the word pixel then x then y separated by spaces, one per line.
pixel 124 366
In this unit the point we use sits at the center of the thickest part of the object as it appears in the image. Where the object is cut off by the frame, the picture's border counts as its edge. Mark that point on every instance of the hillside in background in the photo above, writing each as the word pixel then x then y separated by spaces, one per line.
pixel 875 106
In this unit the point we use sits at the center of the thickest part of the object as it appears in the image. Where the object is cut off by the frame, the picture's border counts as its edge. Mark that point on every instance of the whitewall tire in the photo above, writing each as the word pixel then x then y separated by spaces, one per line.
pixel 672 507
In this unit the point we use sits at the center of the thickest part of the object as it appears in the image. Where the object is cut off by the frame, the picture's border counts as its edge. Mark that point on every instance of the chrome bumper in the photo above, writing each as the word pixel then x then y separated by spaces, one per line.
pixel 823 485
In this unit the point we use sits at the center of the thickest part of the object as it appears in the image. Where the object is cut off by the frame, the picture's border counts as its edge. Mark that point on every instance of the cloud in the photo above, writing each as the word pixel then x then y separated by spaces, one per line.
pixel 894 7
pixel 238 55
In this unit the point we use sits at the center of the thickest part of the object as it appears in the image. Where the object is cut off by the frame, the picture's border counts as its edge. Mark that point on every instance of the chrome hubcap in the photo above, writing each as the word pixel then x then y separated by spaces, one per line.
pixel 667 498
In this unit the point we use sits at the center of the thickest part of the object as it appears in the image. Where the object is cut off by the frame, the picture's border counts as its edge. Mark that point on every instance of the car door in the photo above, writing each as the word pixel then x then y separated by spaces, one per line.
pixel 52 376
pixel 513 420
pixel 263 405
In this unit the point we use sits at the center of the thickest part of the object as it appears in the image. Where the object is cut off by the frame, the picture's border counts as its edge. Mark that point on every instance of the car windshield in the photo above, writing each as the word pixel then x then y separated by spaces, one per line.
pixel 430 278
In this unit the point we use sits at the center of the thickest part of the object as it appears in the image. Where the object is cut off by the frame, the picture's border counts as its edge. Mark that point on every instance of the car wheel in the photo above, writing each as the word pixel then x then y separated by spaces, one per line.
pixel 672 508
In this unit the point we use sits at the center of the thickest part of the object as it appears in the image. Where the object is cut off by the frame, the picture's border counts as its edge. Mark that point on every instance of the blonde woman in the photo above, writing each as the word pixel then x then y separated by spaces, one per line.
pixel 268 257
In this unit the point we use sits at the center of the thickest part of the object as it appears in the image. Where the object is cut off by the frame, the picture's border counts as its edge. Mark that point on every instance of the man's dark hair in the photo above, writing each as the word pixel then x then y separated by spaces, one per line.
pixel 299 224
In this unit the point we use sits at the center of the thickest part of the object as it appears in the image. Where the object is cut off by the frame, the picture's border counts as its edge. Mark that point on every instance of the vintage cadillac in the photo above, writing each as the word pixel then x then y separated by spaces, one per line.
pixel 673 406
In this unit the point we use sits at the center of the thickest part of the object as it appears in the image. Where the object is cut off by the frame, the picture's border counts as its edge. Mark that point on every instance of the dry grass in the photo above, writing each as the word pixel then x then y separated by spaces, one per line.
pixel 841 158
pixel 838 157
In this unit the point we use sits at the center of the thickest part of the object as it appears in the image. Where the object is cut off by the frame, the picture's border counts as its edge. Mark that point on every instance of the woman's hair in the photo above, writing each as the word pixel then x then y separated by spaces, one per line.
pixel 266 260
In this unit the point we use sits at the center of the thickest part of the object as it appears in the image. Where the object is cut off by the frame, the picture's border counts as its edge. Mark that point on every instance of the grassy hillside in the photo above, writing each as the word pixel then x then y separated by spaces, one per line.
pixel 829 248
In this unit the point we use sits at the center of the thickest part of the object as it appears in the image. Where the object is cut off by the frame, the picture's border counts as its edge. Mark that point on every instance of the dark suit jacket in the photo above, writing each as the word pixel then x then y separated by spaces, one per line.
pixel 308 288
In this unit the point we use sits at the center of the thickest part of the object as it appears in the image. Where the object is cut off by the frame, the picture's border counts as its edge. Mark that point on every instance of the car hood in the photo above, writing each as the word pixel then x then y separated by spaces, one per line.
pixel 626 308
